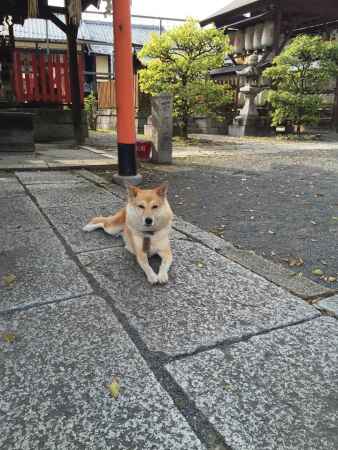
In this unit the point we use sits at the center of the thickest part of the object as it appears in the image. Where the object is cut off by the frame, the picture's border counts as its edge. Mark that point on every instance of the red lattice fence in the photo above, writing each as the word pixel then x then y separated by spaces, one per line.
pixel 42 78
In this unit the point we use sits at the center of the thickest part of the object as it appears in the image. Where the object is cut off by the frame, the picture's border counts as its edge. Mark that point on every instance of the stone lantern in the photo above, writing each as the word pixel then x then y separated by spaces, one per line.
pixel 247 122
pixel 258 39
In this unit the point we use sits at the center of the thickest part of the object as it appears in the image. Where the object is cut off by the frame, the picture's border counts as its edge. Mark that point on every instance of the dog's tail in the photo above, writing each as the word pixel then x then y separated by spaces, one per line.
pixel 112 225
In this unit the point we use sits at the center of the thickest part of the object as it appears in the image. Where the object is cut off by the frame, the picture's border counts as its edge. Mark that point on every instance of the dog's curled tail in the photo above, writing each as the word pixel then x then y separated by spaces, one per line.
pixel 112 225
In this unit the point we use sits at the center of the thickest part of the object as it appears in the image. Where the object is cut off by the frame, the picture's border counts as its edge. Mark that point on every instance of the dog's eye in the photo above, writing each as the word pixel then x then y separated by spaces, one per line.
pixel 141 206
pixel 155 206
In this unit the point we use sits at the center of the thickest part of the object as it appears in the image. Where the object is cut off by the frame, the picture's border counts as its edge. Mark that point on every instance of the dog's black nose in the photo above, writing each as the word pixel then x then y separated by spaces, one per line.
pixel 148 221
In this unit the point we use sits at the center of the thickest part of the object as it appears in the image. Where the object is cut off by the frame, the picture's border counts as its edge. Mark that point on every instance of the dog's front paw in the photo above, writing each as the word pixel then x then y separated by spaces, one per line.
pixel 163 277
pixel 152 278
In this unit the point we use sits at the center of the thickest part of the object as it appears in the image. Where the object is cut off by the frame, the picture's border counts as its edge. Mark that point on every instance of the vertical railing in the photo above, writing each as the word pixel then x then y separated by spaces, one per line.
pixel 40 78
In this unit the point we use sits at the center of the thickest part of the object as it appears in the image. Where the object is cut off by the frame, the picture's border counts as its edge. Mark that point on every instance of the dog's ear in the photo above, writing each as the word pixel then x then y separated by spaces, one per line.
pixel 162 189
pixel 132 190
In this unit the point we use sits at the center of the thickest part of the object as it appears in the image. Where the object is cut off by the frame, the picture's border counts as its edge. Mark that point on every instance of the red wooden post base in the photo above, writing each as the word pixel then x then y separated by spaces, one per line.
pixel 126 133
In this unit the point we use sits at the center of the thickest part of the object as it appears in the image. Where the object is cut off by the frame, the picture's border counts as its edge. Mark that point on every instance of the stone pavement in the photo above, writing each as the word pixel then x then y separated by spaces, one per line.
pixel 219 358
pixel 58 156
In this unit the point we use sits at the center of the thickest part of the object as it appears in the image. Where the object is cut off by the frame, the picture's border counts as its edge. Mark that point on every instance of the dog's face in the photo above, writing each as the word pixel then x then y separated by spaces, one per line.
pixel 148 209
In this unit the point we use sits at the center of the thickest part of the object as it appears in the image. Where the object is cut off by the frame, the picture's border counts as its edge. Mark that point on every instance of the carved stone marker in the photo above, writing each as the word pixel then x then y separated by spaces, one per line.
pixel 162 128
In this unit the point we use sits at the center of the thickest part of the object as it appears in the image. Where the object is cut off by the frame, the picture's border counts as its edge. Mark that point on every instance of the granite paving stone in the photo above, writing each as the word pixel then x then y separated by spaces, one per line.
pixel 43 271
pixel 70 194
pixel 276 391
pixel 69 221
pixel 208 299
pixel 10 187
pixel 329 304
pixel 20 213
pixel 49 177
pixel 53 385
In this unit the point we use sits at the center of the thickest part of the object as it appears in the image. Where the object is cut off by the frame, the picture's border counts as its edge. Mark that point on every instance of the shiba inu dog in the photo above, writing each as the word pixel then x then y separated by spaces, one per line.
pixel 145 224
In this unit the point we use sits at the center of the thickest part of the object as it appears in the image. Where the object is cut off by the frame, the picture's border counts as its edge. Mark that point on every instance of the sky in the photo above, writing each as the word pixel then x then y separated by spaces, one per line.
pixel 179 9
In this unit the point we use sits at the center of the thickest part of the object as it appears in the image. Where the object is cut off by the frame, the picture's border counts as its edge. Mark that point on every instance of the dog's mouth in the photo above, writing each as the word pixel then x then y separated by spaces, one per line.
pixel 148 229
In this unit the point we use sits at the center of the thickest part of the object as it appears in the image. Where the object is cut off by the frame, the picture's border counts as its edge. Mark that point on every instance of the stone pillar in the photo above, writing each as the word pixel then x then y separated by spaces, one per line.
pixel 162 128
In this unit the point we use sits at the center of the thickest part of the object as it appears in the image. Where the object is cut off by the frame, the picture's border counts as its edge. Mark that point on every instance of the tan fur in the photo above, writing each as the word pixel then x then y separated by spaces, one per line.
pixel 142 204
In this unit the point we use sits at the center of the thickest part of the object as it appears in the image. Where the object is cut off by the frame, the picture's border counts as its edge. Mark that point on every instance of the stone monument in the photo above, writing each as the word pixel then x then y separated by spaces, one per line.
pixel 162 128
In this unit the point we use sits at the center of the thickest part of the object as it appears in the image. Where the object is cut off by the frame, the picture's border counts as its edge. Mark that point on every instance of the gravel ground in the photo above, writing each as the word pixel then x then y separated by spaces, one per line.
pixel 277 198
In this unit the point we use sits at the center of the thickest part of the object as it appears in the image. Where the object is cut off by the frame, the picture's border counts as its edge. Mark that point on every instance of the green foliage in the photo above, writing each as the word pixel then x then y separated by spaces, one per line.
pixel 298 76
pixel 90 105
pixel 179 63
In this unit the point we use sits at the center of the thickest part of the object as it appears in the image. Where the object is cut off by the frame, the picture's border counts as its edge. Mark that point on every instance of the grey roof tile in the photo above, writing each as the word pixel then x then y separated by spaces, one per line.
pixel 96 32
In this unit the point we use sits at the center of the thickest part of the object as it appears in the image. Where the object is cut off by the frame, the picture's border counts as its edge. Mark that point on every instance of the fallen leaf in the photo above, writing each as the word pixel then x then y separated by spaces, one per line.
pixel 329 278
pixel 199 264
pixel 296 274
pixel 317 272
pixel 8 337
pixel 217 230
pixel 114 388
pixel 8 280
pixel 295 261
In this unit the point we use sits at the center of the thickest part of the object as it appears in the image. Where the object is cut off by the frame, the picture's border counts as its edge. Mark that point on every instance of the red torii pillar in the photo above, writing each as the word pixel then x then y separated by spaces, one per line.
pixel 124 84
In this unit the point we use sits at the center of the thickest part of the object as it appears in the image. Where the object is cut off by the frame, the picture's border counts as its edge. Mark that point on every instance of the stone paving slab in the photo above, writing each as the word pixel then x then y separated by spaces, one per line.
pixel 55 154
pixel 69 221
pixel 70 194
pixel 53 385
pixel 50 177
pixel 33 243
pixel 208 299
pixel 18 163
pixel 300 286
pixel 276 391
pixel 44 273
pixel 20 213
pixel 329 304
pixel 80 163
pixel 10 187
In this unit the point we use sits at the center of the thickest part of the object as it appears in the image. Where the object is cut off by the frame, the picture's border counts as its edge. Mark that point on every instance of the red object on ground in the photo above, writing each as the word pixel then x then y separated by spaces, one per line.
pixel 143 150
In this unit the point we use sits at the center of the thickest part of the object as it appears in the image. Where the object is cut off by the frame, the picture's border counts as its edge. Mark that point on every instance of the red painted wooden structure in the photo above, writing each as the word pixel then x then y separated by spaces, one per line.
pixel 124 81
pixel 42 78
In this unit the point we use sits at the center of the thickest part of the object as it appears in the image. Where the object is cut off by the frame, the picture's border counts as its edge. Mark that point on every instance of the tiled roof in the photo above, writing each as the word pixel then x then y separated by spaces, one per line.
pixel 91 32
pixel 232 6
pixel 36 29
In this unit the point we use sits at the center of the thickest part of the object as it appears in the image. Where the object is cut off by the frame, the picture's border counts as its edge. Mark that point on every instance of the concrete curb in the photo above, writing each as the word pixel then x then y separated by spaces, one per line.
pixel 66 165
pixel 100 152
pixel 276 273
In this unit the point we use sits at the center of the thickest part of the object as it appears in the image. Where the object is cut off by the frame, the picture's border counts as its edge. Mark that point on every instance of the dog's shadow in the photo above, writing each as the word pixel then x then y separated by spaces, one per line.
pixel 155 262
